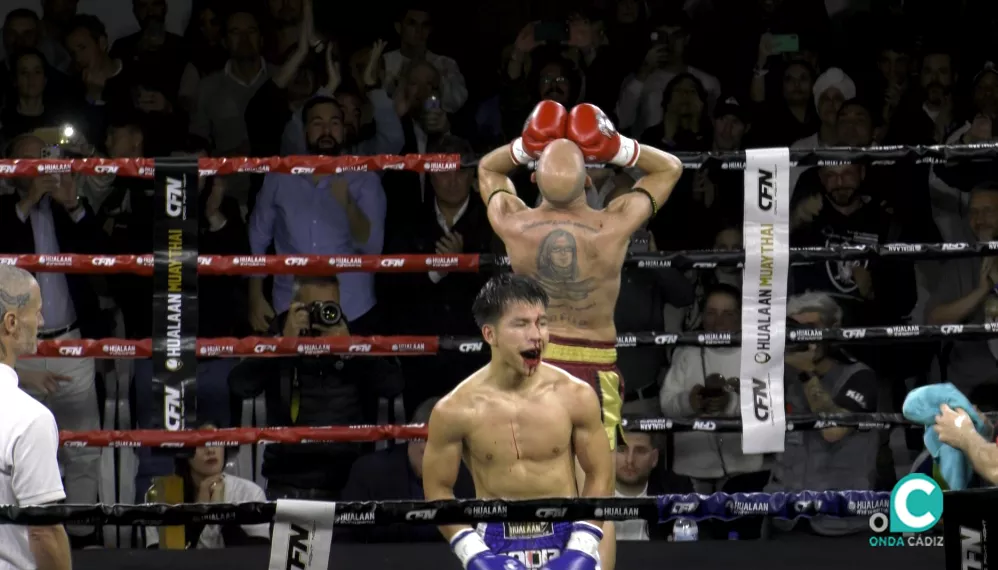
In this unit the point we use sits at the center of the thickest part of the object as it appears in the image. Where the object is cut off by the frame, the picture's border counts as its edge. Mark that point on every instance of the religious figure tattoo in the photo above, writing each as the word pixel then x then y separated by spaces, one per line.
pixel 558 268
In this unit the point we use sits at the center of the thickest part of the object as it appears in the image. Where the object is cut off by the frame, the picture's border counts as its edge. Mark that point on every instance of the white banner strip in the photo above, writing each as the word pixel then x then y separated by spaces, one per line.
pixel 764 299
pixel 303 535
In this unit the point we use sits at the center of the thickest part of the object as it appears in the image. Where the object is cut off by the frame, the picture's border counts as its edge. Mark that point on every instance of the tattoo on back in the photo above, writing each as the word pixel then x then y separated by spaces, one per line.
pixel 558 268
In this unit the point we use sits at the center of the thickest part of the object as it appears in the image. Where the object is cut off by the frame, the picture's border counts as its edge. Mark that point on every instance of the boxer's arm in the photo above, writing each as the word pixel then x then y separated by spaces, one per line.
pixel 493 176
pixel 662 171
pixel 590 442
pixel 442 458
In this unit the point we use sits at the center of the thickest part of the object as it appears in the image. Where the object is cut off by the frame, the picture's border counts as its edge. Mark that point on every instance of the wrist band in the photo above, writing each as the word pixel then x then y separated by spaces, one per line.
pixel 654 204
pixel 493 195
pixel 517 153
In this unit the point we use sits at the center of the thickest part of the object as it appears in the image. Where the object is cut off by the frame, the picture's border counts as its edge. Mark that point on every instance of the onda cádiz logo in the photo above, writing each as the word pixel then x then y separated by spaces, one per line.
pixel 916 506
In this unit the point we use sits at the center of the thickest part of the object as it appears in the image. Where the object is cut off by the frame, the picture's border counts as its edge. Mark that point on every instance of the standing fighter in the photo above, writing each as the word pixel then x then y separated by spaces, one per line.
pixel 29 439
pixel 574 251
pixel 519 425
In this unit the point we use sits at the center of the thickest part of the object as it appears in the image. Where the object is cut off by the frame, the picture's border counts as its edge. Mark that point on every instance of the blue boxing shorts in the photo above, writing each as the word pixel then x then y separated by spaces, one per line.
pixel 532 543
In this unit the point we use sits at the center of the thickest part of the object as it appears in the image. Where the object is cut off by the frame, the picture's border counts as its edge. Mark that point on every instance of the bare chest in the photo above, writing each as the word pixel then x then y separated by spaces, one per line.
pixel 531 431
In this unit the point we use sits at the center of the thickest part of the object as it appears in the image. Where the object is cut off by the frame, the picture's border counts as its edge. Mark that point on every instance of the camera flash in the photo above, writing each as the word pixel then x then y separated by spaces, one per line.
pixel 68 131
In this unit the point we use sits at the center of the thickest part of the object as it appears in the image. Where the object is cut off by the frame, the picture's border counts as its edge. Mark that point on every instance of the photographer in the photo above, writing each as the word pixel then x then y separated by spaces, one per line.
pixel 314 391
pixel 702 382
pixel 824 380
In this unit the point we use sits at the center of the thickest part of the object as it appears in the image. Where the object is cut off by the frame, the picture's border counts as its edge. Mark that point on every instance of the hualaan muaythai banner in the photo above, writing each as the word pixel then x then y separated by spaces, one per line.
pixel 303 535
pixel 764 299
pixel 175 286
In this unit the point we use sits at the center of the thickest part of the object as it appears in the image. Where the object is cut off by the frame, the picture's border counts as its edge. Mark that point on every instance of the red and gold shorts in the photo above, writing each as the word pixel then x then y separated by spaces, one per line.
pixel 595 363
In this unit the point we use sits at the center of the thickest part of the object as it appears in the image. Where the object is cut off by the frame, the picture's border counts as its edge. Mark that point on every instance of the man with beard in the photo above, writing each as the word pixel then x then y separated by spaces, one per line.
pixel 319 214
pixel 843 213
pixel 926 115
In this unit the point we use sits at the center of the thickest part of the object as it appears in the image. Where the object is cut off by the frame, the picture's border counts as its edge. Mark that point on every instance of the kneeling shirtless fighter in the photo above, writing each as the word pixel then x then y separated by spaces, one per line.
pixel 519 424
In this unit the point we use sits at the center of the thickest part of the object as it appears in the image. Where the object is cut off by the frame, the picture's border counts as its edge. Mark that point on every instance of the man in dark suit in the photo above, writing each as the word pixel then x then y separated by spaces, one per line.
pixel 450 223
pixel 46 217
pixel 396 474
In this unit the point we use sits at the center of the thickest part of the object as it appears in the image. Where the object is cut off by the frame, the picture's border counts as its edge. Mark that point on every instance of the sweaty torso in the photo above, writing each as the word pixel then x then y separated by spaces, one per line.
pixel 577 257
pixel 518 444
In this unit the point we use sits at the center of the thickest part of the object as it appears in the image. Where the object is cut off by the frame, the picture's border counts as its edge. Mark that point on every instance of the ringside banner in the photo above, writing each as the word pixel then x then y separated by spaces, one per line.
pixel 764 299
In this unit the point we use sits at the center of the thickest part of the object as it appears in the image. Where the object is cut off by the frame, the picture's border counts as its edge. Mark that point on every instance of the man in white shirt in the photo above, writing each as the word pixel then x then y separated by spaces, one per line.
pixel 29 439
pixel 414 30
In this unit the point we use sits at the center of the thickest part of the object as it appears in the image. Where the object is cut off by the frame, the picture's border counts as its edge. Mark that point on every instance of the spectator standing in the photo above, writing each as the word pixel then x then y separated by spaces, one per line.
pixel 30 109
pixel 786 104
pixel 57 17
pixel 22 32
pixel 414 27
pixel 321 214
pixel 314 391
pixel 105 87
pixel 203 39
pixel 159 59
pixel 224 95
pixel 396 474
pixel 965 287
pixel 643 97
pixel 926 115
pixel 453 222
pixel 47 217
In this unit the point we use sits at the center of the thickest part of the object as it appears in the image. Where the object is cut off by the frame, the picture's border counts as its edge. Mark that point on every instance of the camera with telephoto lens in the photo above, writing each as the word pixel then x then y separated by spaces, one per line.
pixel 325 314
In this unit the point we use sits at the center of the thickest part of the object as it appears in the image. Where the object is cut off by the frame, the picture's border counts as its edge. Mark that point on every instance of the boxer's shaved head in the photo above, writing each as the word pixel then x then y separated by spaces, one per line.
pixel 561 173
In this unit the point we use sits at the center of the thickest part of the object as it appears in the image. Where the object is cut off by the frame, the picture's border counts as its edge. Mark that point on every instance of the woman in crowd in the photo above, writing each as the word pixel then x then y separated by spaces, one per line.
pixel 686 121
pixel 206 482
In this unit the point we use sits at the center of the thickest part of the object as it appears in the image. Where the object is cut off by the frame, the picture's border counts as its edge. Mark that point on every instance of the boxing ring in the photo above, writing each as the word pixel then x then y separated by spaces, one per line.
pixel 175 265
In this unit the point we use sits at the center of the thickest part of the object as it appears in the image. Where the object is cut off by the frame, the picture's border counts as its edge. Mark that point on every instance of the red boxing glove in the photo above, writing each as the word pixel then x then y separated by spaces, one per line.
pixel 598 139
pixel 546 123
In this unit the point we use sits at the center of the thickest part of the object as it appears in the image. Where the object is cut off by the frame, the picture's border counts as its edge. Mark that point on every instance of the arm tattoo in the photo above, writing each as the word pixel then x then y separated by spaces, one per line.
pixel 818 399
pixel 558 268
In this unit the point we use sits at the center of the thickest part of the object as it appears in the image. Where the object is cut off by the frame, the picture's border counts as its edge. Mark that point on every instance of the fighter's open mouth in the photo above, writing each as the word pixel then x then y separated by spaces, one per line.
pixel 530 354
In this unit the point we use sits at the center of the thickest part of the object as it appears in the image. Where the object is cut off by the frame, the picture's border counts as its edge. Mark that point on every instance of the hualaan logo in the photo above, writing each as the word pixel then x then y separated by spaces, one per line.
pixel 916 506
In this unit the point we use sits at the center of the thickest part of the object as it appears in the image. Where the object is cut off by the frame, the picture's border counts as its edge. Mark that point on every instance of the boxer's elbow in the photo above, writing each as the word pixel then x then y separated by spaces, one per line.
pixel 50 546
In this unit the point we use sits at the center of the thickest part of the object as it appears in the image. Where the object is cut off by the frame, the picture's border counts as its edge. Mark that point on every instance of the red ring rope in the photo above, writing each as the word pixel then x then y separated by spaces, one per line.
pixel 145 167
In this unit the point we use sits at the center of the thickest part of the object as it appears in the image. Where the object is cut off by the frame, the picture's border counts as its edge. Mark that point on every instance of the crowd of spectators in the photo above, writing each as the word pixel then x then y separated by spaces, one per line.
pixel 285 77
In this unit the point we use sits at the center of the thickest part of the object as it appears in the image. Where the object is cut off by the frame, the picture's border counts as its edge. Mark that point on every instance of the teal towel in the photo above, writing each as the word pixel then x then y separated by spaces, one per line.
pixel 922 406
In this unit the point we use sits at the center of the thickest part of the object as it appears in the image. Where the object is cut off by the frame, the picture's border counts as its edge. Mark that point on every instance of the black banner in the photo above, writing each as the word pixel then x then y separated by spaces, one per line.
pixel 967 516
pixel 175 290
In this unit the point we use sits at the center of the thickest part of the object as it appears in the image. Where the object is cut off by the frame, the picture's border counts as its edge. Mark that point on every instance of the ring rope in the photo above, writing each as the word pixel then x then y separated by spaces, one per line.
pixel 231 437
pixel 317 265
pixel 731 160
pixel 257 346
pixel 723 506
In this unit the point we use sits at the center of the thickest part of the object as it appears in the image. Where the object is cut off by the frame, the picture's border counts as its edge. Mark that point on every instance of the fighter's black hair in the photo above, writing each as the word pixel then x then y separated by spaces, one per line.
pixel 502 291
